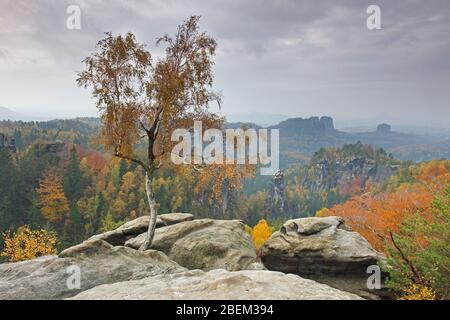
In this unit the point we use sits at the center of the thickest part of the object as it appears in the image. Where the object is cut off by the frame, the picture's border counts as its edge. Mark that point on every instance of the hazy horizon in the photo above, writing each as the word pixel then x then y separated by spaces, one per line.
pixel 269 119
pixel 292 58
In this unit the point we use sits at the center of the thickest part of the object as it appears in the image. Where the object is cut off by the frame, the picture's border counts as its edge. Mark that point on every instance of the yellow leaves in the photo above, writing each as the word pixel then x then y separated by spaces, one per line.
pixel 217 177
pixel 323 212
pixel 260 233
pixel 418 292
pixel 54 204
pixel 28 244
pixel 128 181
pixel 118 208
pixel 84 165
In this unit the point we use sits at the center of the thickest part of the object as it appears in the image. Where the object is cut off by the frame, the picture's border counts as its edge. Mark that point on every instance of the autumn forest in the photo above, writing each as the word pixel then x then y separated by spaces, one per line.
pixel 65 181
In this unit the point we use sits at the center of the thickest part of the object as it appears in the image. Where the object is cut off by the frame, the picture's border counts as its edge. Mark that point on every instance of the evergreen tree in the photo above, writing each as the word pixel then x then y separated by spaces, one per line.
pixel 101 206
pixel 73 178
pixel 123 168
pixel 77 226
pixel 6 176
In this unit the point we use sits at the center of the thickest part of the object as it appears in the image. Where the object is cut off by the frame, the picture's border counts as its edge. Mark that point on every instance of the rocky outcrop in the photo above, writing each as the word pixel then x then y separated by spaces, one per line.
pixel 204 244
pixel 325 250
pixel 306 127
pixel 328 174
pixel 219 285
pixel 221 258
pixel 384 128
pixel 277 198
pixel 58 148
pixel 98 262
pixel 131 229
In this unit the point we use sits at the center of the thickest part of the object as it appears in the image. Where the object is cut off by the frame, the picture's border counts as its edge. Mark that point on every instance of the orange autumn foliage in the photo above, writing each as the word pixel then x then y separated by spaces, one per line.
pixel 375 216
pixel 431 170
pixel 54 204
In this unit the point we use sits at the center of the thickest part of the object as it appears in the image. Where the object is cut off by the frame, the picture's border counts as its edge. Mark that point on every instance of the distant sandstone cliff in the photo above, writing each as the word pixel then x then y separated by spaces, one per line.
pixel 327 175
pixel 300 138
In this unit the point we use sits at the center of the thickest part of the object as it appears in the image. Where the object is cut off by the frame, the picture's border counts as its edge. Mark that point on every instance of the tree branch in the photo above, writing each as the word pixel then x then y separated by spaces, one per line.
pixel 418 278
pixel 144 127
pixel 137 161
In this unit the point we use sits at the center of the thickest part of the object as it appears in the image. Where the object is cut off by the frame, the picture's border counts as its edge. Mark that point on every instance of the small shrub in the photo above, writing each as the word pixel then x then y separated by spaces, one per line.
pixel 27 244
pixel 260 233
pixel 416 292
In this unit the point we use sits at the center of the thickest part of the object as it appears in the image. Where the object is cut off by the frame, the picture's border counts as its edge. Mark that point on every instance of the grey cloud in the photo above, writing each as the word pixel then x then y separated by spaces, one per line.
pixel 301 57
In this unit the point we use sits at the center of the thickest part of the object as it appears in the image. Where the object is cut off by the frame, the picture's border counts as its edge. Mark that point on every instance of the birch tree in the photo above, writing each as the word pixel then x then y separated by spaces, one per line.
pixel 143 99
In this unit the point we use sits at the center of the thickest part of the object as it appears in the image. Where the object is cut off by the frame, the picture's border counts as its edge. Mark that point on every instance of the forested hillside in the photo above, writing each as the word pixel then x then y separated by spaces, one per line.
pixel 58 187
pixel 66 183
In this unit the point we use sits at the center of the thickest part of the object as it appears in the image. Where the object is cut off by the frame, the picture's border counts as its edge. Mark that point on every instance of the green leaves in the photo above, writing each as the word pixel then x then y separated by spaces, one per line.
pixel 420 253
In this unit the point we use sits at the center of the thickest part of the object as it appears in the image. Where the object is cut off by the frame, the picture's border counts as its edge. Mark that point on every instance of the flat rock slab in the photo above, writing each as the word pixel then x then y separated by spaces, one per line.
pixel 204 244
pixel 98 263
pixel 309 226
pixel 218 285
pixel 132 228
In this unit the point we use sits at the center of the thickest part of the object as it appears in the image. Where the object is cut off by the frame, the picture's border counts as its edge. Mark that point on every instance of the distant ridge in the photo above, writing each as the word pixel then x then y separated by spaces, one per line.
pixel 259 118
pixel 300 138
pixel 8 114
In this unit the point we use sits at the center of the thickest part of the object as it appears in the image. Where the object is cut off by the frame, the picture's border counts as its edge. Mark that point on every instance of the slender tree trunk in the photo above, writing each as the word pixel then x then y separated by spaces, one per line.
pixel 224 198
pixel 153 213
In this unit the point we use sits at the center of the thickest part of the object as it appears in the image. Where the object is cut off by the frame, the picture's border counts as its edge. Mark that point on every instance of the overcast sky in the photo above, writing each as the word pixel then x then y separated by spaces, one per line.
pixel 293 57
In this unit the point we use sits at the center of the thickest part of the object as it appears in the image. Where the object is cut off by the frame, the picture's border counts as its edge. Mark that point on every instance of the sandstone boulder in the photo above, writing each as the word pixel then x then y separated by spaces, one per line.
pixel 137 226
pixel 218 284
pixel 325 250
pixel 98 263
pixel 204 244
